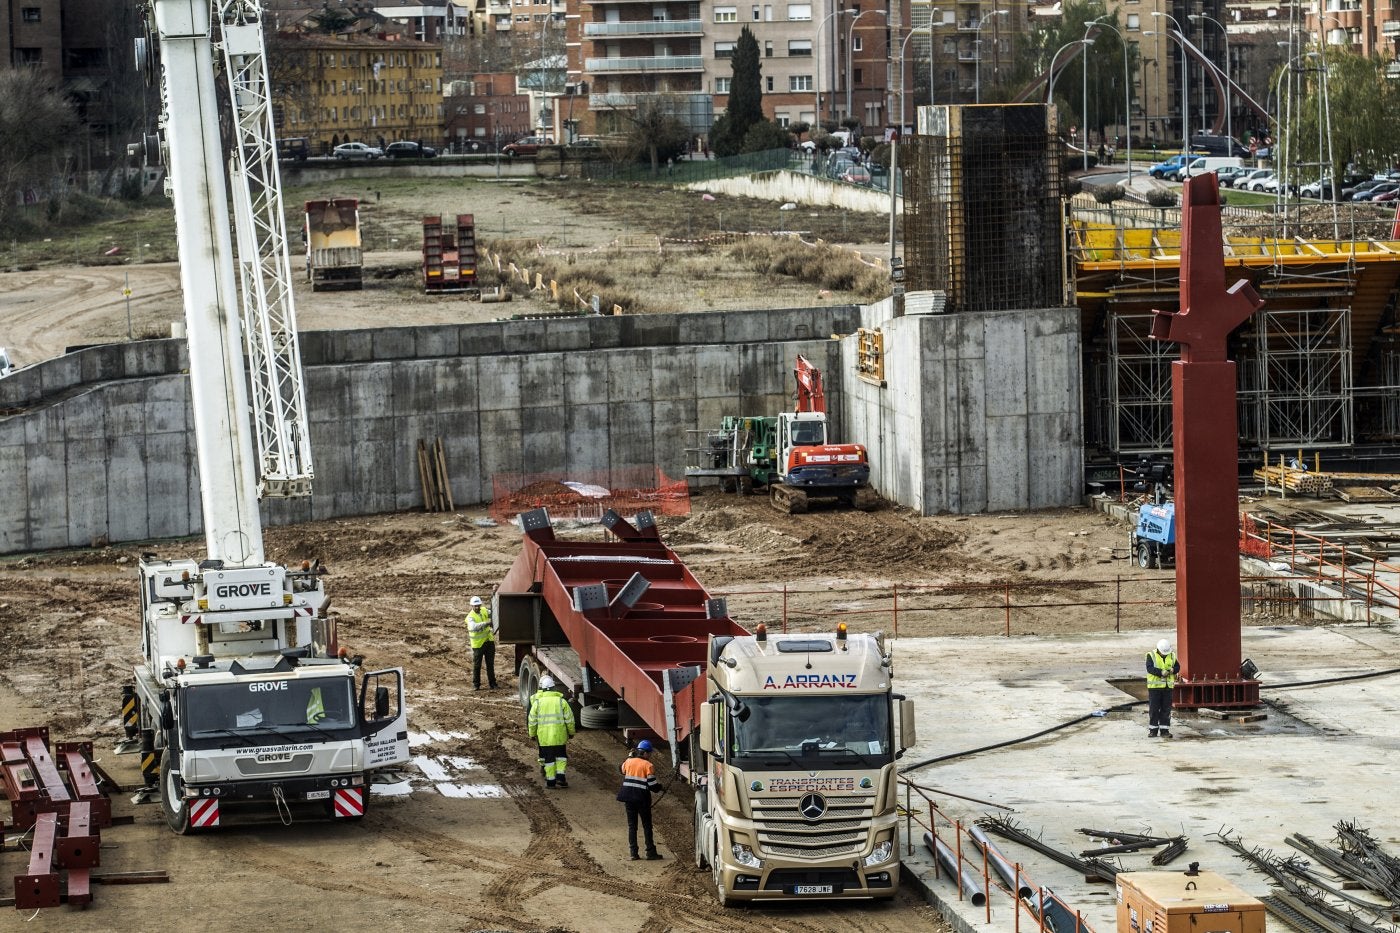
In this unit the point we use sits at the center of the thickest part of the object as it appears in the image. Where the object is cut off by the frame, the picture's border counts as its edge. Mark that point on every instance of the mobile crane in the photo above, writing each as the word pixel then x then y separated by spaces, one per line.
pixel 243 694
pixel 789 453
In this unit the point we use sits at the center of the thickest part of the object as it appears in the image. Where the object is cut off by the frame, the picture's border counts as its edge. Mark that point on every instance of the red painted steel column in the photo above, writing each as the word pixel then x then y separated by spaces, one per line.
pixel 1205 443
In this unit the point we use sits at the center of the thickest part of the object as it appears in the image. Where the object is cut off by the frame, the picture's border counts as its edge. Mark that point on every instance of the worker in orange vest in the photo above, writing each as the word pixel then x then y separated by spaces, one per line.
pixel 638 784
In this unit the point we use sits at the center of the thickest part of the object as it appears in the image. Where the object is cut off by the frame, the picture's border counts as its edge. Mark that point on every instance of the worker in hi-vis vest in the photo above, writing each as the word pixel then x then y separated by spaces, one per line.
pixel 551 724
pixel 483 637
pixel 1162 668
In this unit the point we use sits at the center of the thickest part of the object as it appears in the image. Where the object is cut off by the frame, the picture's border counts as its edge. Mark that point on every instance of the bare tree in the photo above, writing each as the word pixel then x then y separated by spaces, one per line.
pixel 37 124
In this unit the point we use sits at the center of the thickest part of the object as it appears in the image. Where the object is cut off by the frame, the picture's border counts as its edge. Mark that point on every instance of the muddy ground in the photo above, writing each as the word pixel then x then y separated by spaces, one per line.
pixel 473 840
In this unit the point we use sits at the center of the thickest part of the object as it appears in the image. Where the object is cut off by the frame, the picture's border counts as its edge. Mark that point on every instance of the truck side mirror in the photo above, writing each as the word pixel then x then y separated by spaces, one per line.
pixel 167 715
pixel 381 702
pixel 707 728
pixel 907 733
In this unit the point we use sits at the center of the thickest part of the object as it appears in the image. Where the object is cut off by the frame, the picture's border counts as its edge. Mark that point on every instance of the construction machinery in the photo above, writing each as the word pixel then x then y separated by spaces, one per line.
pixel 335 257
pixel 790 454
pixel 449 255
pixel 1152 541
pixel 243 695
pixel 789 741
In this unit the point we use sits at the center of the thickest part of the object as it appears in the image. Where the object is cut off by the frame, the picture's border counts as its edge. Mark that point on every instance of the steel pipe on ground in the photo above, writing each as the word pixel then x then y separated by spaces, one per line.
pixel 1004 867
pixel 971 883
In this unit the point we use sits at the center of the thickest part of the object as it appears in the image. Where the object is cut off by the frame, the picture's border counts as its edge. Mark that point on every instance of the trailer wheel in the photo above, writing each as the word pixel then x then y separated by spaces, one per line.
pixel 177 812
pixel 1144 555
pixel 527 681
pixel 701 808
pixel 598 716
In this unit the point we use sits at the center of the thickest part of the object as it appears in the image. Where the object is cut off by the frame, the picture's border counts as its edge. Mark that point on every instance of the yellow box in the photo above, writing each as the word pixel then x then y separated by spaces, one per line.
pixel 1181 902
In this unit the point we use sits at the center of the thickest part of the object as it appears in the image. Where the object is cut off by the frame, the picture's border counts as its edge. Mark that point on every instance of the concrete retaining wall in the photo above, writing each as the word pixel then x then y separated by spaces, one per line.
pixel 103 446
pixel 811 190
pixel 980 412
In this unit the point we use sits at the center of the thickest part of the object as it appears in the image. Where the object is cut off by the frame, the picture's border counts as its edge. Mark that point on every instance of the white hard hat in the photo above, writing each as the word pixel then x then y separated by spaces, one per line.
pixel 546 682
pixel 1164 647
pixel 476 600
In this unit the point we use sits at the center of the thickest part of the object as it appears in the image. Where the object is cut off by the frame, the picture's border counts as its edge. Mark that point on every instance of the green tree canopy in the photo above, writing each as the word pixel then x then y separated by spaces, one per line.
pixel 745 98
pixel 1104 64
pixel 1362 102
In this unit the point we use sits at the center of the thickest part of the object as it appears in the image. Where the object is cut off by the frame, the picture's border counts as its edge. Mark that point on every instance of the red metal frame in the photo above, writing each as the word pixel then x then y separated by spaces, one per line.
pixel 1205 445
pixel 630 649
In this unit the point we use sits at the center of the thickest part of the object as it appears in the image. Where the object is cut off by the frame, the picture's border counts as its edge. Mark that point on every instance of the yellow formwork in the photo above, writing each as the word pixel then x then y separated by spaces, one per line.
pixel 1104 247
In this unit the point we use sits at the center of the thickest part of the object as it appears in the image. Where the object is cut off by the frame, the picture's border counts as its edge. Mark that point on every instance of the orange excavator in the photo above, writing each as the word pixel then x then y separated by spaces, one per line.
pixel 790 454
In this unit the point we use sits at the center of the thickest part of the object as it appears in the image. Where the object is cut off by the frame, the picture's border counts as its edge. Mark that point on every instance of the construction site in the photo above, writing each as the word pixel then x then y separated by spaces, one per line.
pixel 876 579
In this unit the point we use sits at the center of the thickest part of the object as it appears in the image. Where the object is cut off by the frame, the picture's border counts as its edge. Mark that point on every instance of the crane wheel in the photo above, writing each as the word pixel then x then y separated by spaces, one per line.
pixel 176 810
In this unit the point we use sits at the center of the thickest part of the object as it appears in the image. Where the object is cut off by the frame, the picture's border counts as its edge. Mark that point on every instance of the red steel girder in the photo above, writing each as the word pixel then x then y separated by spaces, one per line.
pixel 1205 447
pixel 76 759
pixel 39 888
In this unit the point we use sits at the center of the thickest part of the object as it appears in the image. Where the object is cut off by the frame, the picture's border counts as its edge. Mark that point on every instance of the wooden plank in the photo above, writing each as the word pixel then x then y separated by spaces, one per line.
pixel 423 476
pixel 131 877
pixel 446 481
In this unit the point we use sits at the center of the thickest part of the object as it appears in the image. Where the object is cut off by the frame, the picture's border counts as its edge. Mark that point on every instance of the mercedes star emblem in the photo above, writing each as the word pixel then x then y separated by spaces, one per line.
pixel 812 806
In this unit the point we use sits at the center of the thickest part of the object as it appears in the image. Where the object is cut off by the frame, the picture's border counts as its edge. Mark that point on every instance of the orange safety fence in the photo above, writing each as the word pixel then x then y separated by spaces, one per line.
pixel 977 878
pixel 588 494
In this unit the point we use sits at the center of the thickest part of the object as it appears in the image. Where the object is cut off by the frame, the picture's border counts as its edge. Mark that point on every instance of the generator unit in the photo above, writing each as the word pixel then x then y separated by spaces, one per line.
pixel 1188 901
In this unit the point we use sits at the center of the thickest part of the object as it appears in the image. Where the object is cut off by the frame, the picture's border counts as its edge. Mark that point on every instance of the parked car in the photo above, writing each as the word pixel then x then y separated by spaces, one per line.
pixel 1392 195
pixel 1350 193
pixel 527 146
pixel 408 149
pixel 1228 174
pixel 857 175
pixel 293 148
pixel 1255 180
pixel 1161 168
pixel 1370 193
pixel 356 151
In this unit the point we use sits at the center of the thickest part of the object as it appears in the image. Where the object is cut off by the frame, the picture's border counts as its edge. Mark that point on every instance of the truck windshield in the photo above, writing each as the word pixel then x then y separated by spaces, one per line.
pixel 269 711
pixel 796 731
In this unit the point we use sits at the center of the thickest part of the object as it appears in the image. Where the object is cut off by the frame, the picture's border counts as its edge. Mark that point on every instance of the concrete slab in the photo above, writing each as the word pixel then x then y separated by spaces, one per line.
pixel 1323 754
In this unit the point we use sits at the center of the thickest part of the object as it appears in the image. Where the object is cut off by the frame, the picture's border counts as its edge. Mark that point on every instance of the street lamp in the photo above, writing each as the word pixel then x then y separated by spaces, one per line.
pixel 903 48
pixel 850 38
pixel 1229 84
pixel 1185 77
pixel 1127 95
pixel 1050 85
pixel 977 62
pixel 817 60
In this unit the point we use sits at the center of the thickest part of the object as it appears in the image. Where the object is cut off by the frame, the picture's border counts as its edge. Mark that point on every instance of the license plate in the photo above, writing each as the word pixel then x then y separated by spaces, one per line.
pixel 318 795
pixel 811 889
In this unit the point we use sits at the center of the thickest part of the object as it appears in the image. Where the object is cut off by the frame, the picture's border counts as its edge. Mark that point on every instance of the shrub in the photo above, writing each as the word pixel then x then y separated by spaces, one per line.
pixel 1107 194
pixel 1161 197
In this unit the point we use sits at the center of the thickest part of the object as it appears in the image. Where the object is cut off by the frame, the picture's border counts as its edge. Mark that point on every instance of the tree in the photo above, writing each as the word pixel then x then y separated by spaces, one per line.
pixel 1362 101
pixel 1104 65
pixel 38 125
pixel 654 130
pixel 745 98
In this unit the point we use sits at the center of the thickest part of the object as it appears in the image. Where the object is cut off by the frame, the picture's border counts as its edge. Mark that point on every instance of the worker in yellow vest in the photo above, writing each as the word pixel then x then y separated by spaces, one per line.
pixel 483 637
pixel 551 724
pixel 1162 668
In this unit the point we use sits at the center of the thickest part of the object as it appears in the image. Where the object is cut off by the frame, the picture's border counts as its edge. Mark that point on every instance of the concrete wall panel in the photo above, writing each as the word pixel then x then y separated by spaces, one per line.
pixel 943 434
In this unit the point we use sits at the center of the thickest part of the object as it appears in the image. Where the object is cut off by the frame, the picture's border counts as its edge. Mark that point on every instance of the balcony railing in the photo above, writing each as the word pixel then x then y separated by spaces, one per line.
pixel 1390 27
pixel 607 101
pixel 670 27
pixel 647 63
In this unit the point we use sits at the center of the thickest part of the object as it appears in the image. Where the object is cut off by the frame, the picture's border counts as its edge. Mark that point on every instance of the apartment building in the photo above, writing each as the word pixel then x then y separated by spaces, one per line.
pixel 335 89
pixel 32 35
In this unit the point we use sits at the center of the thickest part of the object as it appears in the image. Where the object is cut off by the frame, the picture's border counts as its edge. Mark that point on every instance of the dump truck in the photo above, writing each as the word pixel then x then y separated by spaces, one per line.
pixel 335 256
pixel 788 741
pixel 789 454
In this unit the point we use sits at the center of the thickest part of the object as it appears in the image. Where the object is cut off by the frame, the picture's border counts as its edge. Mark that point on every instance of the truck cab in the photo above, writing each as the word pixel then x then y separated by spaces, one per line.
pixel 799 736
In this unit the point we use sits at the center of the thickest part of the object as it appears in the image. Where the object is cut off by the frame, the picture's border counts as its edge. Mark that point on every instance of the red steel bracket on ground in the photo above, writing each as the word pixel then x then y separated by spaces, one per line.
pixel 1205 447
pixel 39 888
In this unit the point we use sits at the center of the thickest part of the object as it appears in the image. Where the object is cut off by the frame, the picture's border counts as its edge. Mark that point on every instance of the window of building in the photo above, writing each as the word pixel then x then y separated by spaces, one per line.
pixel 479 108
pixel 726 14
pixel 29 14
pixel 769 85
pixel 29 56
pixel 799 48
pixel 768 48
pixel 757 14
pixel 800 12
pixel 855 76
pixel 1134 21
pixel 768 13
pixel 783 120
pixel 724 50
pixel 857 44
pixel 799 82
pixel 722 85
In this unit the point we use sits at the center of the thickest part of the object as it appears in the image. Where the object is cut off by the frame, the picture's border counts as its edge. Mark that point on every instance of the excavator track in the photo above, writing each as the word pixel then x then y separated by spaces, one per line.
pixel 787 499
pixel 865 499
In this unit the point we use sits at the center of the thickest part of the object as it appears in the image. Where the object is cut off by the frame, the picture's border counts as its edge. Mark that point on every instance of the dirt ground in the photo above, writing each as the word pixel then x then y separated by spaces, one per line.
pixel 469 839
pixel 51 299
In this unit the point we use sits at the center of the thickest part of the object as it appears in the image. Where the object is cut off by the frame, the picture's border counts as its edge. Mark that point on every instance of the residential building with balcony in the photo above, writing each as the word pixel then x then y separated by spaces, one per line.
pixel 486 111
pixel 31 33
pixel 334 89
